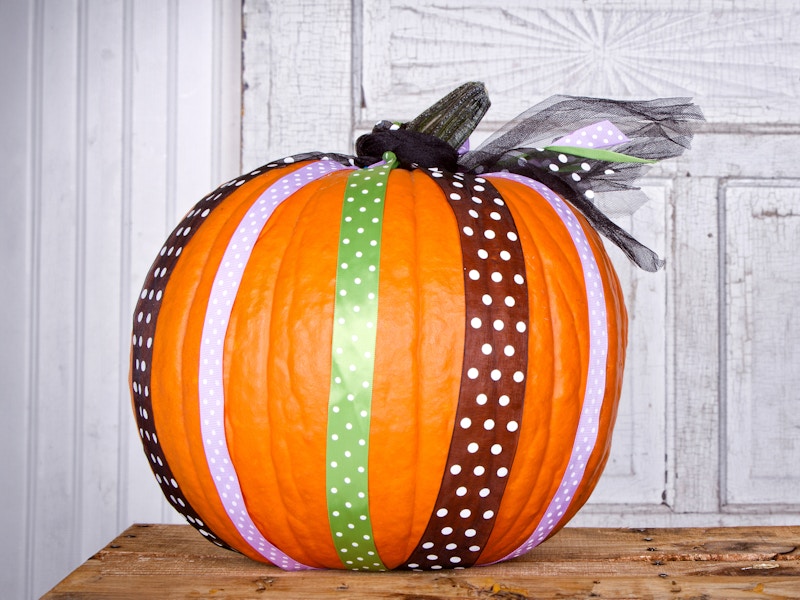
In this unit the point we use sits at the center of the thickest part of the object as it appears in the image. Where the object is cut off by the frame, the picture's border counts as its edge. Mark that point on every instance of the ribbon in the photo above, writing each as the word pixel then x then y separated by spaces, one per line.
pixel 353 362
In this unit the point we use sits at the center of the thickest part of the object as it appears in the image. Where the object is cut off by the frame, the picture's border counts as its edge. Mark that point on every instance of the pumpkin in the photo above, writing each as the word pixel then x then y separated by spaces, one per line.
pixel 379 366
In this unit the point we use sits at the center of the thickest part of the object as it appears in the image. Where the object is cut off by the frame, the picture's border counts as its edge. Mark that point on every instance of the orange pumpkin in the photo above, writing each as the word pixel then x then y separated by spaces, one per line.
pixel 378 368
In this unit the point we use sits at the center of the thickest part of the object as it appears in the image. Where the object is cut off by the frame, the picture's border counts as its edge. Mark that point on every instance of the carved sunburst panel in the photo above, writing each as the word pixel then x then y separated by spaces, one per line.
pixel 740 63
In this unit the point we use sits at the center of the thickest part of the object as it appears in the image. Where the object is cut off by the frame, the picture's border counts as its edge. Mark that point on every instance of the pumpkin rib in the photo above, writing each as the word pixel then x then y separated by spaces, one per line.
pixel 561 279
pixel 398 217
pixel 186 360
pixel 423 202
pixel 287 264
pixel 418 253
pixel 281 507
pixel 418 399
pixel 313 196
pixel 416 294
pixel 237 465
pixel 531 245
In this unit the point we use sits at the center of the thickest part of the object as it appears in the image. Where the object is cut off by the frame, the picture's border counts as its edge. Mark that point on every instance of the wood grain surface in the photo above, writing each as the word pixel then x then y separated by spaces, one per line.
pixel 174 561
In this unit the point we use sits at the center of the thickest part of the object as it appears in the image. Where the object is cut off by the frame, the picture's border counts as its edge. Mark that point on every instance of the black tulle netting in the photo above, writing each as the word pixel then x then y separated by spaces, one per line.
pixel 600 187
pixel 656 130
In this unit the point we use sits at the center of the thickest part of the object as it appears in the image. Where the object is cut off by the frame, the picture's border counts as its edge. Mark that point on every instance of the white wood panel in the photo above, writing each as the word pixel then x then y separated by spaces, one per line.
pixel 694 278
pixel 53 534
pixel 117 116
pixel 97 415
pixel 731 56
pixel 147 162
pixel 762 281
pixel 185 111
pixel 637 467
pixel 297 78
pixel 15 263
pixel 672 454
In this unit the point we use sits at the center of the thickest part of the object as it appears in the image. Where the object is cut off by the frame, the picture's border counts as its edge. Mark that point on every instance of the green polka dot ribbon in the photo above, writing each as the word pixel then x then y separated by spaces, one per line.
pixel 353 361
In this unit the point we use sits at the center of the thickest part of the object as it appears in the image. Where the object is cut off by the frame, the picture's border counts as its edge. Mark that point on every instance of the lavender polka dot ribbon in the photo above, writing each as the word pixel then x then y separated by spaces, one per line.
pixel 144 327
pixel 210 380
pixel 594 395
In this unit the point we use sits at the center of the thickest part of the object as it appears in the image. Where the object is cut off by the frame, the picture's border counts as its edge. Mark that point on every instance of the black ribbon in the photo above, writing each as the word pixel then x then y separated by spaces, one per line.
pixel 412 148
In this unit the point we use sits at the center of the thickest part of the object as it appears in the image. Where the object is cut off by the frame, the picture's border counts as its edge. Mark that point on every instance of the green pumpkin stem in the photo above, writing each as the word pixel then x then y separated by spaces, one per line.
pixel 454 117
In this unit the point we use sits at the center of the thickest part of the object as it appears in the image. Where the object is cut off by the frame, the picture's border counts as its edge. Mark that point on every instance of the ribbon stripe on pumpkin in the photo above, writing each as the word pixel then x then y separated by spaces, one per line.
pixel 494 370
pixel 211 390
pixel 594 394
pixel 352 366
pixel 144 328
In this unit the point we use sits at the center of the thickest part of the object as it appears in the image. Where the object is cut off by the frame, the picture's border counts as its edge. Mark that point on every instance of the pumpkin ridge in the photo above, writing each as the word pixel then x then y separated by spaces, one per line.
pixel 418 345
pixel 311 195
pixel 481 452
pixel 541 233
pixel 414 293
pixel 158 277
pixel 274 464
pixel 419 351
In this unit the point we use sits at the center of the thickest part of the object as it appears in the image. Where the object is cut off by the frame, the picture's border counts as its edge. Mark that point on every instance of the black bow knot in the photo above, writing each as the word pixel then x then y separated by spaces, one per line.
pixel 412 148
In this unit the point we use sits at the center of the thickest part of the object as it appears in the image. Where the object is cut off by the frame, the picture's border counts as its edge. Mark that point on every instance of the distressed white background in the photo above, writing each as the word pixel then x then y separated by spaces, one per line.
pixel 117 115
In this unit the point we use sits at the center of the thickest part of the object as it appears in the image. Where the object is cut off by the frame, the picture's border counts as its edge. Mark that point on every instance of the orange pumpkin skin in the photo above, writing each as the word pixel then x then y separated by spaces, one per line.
pixel 276 358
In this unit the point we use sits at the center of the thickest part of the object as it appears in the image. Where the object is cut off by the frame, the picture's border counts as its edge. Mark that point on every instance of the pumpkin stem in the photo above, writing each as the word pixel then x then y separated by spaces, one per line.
pixel 454 117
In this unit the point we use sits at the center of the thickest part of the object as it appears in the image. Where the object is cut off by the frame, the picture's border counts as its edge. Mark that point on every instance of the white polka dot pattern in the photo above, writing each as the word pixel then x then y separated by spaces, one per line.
pixel 489 412
pixel 144 327
pixel 597 135
pixel 586 435
pixel 355 319
pixel 210 380
pixel 143 342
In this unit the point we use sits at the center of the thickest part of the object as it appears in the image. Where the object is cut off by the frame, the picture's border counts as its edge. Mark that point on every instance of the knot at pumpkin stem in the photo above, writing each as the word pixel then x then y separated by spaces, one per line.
pixel 412 148
pixel 434 137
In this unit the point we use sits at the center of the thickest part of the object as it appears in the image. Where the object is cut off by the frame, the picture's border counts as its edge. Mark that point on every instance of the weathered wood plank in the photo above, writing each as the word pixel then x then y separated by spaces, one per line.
pixel 297 74
pixel 762 276
pixel 693 288
pixel 167 561
pixel 722 53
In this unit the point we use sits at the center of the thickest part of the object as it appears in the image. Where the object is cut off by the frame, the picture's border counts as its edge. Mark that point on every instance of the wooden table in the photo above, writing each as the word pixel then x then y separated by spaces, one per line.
pixel 174 561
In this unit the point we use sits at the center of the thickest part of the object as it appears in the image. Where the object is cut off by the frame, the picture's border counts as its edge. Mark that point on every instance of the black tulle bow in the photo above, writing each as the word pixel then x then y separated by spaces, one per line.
pixel 412 148
pixel 542 144
pixel 587 168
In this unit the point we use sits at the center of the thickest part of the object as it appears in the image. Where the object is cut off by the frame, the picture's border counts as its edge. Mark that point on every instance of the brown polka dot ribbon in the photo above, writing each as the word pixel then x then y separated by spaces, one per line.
pixel 144 327
pixel 492 390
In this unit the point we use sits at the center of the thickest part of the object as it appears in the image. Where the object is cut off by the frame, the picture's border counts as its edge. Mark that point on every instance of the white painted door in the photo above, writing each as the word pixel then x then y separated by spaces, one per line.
pixel 709 424
pixel 116 116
